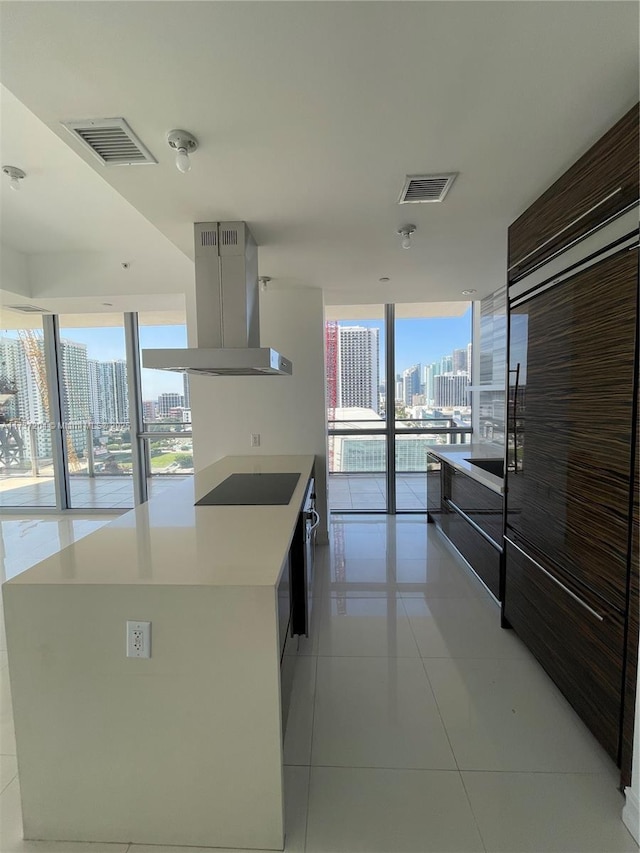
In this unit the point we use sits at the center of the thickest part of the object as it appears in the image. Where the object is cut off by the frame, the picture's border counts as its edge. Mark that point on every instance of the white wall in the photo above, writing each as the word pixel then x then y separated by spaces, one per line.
pixel 14 276
pixel 287 411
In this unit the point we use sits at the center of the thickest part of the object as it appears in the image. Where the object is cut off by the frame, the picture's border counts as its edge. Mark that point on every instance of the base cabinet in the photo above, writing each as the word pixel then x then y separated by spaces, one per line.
pixel 470 515
pixel 575 635
pixel 484 558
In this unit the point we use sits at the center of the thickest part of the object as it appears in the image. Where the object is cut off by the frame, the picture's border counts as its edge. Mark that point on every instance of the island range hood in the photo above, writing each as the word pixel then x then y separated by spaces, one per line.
pixel 227 310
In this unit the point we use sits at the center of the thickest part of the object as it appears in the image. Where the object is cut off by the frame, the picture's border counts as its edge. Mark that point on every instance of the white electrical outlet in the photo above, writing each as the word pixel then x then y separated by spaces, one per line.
pixel 255 439
pixel 138 639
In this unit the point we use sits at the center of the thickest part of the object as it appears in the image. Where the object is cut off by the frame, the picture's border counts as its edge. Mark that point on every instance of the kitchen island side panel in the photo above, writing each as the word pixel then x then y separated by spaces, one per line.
pixel 183 748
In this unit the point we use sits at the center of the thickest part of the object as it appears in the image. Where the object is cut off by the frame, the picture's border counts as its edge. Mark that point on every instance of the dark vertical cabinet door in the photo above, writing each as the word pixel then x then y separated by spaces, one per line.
pixel 578 639
pixel 571 389
pixel 603 182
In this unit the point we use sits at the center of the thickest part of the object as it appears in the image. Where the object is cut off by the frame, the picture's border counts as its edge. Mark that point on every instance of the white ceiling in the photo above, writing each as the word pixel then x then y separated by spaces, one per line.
pixel 309 116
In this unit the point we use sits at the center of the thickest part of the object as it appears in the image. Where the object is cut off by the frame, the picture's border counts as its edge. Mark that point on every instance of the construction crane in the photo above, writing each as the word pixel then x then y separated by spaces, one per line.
pixel 31 342
pixel 11 442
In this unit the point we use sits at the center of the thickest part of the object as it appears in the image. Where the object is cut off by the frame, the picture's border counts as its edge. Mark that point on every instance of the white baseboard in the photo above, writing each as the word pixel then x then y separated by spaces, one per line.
pixel 631 813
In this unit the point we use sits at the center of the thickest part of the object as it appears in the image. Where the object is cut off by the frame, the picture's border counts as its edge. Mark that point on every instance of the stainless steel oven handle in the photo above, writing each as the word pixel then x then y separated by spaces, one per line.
pixel 555 580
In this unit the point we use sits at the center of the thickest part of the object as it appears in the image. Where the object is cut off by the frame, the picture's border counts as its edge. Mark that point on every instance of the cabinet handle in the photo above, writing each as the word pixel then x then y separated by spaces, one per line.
pixel 558 233
pixel 472 523
pixel 556 581
pixel 316 522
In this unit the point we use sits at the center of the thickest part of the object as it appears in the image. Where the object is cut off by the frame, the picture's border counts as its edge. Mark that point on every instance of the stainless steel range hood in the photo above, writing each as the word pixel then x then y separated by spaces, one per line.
pixel 227 310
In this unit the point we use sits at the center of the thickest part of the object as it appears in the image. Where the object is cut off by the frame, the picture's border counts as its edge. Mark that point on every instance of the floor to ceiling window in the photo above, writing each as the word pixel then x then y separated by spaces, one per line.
pixel 166 406
pixel 26 458
pixel 81 425
pixel 356 408
pixel 432 367
pixel 95 410
pixel 419 359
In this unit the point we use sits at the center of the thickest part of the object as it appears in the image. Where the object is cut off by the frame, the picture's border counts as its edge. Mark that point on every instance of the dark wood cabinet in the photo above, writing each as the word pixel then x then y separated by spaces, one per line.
pixel 602 183
pixel 577 637
pixel 484 558
pixel 571 572
pixel 477 502
pixel 574 349
pixel 471 516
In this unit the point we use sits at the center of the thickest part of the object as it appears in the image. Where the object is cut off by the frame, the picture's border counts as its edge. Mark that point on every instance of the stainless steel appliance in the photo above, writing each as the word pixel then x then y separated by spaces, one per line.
pixel 227 310
pixel 302 563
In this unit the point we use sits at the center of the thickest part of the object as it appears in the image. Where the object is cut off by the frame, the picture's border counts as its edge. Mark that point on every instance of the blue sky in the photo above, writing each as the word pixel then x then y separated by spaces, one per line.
pixel 417 341
pixel 422 341
pixel 107 343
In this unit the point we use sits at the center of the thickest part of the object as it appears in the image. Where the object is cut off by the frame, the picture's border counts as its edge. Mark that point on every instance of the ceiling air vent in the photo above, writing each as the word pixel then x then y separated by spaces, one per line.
pixel 27 309
pixel 419 189
pixel 111 140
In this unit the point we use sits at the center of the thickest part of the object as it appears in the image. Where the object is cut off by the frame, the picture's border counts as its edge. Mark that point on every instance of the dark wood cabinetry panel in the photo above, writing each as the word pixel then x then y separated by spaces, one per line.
pixel 601 183
pixel 482 557
pixel 569 496
pixel 482 505
pixel 581 652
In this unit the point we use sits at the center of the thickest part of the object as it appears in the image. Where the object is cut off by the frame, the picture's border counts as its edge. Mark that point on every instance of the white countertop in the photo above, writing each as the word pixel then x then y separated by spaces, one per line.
pixel 457 455
pixel 169 541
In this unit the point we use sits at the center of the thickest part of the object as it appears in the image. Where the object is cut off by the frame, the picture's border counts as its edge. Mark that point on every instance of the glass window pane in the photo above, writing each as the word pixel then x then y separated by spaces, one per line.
pixel 95 406
pixel 433 372
pixel 355 352
pixel 26 464
pixel 166 406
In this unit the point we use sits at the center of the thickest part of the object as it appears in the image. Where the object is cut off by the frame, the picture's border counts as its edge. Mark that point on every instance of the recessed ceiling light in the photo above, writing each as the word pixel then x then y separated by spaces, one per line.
pixel 384 279
pixel 469 292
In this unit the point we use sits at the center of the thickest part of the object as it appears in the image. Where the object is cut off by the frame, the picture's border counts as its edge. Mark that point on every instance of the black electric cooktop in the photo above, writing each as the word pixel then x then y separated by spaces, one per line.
pixel 252 490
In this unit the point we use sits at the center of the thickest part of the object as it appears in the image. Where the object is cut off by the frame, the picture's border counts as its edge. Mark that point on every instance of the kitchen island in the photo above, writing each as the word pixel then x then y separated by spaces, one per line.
pixel 182 748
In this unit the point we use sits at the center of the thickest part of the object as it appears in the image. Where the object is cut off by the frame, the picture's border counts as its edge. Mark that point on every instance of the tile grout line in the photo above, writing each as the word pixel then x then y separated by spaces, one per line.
pixel 446 731
pixel 475 819
pixel 313 719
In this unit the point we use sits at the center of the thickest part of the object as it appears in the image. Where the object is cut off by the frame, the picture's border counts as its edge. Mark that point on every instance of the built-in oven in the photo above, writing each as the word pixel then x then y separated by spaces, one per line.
pixel 302 563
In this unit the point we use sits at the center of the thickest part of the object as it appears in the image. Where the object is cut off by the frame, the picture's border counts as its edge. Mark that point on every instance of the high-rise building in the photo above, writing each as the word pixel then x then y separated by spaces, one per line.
pixel 95 413
pixel 167 401
pixel 111 392
pixel 185 391
pixel 446 364
pixel 460 364
pixel 450 390
pixel 469 360
pixel 428 372
pixel 148 410
pixel 75 392
pixel 358 368
pixel 410 384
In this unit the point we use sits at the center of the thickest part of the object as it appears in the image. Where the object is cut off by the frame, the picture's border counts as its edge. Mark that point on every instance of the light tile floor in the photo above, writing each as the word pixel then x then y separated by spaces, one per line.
pixel 368 491
pixel 416 724
pixel 101 492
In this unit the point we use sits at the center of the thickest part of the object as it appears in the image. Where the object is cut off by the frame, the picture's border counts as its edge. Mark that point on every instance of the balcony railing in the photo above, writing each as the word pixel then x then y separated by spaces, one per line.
pixel 94 451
